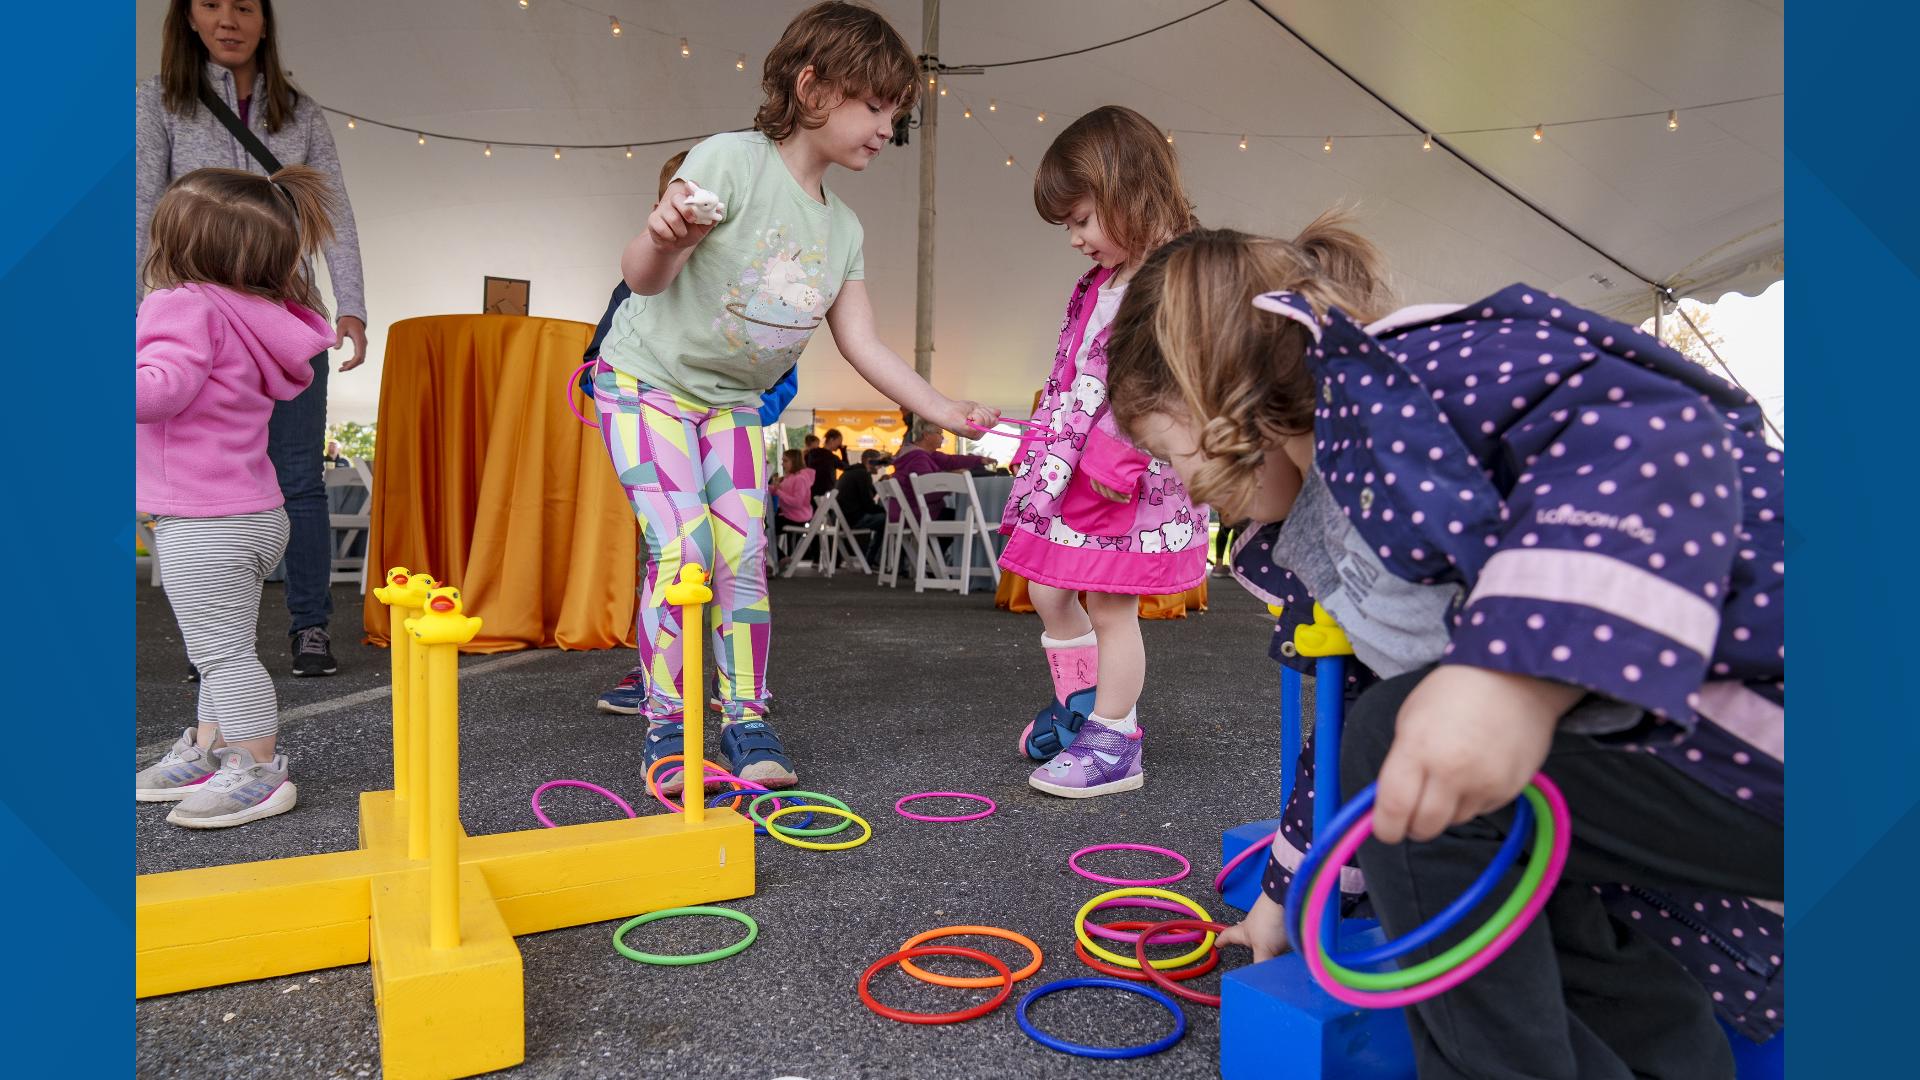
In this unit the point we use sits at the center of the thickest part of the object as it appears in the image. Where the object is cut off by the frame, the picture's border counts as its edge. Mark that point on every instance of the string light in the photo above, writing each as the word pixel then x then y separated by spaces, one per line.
pixel 1169 138
pixel 616 25
pixel 1538 134
pixel 1041 119
pixel 421 139
pixel 1673 120
pixel 1427 146
pixel 966 114
pixel 350 126
pixel 992 105
pixel 930 80
pixel 629 153
pixel 1327 147
pixel 943 91
pixel 1009 160
pixel 1243 142
pixel 740 64
pixel 556 153
pixel 488 152
pixel 523 5
pixel 685 49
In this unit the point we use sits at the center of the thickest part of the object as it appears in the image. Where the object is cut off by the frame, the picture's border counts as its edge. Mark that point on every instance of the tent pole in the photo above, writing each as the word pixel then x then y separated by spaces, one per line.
pixel 929 122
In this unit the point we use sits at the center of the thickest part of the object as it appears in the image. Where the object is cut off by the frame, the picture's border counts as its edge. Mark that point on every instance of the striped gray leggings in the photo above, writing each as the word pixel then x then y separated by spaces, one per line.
pixel 212 570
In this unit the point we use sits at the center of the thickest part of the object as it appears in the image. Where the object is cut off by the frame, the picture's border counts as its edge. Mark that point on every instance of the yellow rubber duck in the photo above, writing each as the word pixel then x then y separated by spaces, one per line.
pixel 443 621
pixel 690 589
pixel 1322 637
pixel 405 588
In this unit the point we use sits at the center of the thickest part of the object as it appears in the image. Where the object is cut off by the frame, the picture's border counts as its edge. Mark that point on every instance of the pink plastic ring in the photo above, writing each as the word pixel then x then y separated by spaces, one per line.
pixel 715 775
pixel 1074 864
pixel 595 788
pixel 572 381
pixel 905 799
pixel 1220 879
pixel 1101 930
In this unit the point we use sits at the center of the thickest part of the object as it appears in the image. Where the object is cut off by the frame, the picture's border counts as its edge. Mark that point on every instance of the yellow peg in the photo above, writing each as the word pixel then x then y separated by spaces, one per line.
pixel 691 595
pixel 403 594
pixel 1322 637
pixel 441 629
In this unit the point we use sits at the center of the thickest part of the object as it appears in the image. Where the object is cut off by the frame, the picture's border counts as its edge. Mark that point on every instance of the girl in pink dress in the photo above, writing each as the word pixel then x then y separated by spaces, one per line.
pixel 1090 512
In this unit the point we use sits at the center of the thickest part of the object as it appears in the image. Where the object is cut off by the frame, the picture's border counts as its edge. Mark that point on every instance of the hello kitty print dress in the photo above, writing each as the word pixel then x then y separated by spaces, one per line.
pixel 1061 532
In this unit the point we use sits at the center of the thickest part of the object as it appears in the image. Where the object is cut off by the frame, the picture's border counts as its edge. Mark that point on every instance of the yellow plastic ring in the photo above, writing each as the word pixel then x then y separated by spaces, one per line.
pixel 1080 928
pixel 816 845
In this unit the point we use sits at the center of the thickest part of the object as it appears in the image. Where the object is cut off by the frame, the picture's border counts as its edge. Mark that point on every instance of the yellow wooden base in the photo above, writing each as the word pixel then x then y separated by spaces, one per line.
pixel 444 1012
pixel 228 924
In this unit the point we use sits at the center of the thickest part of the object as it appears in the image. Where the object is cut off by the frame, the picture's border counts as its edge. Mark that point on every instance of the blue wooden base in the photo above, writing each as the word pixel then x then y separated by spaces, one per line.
pixel 1243 888
pixel 1275 1021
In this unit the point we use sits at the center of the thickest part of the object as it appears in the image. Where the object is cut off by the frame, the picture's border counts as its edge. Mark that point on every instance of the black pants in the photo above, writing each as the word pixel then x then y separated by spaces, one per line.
pixel 297 444
pixel 1579 994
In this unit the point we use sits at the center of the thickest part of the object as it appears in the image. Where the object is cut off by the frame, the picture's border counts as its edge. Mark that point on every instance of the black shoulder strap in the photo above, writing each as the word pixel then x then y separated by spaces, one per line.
pixel 247 138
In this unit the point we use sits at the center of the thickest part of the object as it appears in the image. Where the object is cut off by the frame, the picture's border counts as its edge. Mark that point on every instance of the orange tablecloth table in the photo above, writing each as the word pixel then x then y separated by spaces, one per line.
pixel 484 479
pixel 1012 596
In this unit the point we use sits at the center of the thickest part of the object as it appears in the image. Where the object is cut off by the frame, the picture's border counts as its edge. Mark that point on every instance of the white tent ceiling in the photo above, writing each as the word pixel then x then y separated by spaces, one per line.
pixel 1699 208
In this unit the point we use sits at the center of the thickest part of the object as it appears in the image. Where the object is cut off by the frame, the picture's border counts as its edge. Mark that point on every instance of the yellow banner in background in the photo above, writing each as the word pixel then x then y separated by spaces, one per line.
pixel 868 429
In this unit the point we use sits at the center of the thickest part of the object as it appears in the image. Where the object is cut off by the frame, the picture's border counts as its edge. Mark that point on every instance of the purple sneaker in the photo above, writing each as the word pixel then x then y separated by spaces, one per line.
pixel 1101 761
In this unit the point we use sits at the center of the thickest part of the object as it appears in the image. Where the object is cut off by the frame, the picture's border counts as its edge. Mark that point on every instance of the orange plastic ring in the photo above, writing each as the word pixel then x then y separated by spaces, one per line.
pixel 959 983
pixel 653 786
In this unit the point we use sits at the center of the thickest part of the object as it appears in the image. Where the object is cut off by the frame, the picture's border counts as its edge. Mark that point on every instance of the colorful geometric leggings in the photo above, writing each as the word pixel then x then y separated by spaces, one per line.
pixel 698 483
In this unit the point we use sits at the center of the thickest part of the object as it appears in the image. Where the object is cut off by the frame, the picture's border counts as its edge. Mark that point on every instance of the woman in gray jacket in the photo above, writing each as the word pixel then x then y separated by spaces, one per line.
pixel 228 46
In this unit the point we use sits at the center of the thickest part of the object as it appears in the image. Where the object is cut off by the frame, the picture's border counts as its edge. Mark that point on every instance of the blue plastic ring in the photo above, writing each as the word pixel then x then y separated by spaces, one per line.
pixel 1109 1052
pixel 1482 887
pixel 760 830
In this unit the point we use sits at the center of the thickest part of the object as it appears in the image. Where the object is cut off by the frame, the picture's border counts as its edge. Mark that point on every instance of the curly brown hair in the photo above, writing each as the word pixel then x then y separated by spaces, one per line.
pixel 854 52
pixel 1091 158
pixel 1188 342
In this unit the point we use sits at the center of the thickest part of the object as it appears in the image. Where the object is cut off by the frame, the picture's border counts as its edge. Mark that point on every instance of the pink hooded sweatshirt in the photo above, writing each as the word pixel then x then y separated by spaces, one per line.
pixel 209 364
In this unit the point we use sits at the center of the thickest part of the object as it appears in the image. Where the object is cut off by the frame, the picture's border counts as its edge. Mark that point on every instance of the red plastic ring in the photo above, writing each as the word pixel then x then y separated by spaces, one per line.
pixel 1165 983
pixel 905 1017
pixel 1212 961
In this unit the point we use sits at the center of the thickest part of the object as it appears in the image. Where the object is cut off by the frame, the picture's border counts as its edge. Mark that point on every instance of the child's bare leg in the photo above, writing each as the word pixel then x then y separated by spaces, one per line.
pixel 1060 612
pixel 1123 655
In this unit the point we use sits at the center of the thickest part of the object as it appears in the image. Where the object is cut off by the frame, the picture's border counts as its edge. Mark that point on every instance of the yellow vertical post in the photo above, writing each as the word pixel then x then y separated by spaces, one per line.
pixel 439 632
pixel 418 783
pixel 403 594
pixel 691 595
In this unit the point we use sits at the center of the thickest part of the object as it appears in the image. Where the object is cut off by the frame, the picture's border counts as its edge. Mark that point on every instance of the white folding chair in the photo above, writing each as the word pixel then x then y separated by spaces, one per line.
pixel 351 527
pixel 966 526
pixel 143 525
pixel 828 535
pixel 902 521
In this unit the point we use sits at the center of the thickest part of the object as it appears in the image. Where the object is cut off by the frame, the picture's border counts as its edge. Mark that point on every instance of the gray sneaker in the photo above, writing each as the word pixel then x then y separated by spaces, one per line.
pixel 243 790
pixel 177 775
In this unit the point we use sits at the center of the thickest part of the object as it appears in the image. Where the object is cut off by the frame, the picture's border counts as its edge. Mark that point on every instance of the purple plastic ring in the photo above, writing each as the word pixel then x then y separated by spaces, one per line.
pixel 1102 931
pixel 1073 862
pixel 898 807
pixel 595 788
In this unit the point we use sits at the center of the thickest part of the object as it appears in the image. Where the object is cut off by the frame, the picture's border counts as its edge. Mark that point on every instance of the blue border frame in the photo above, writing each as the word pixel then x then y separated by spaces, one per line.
pixel 67 302
pixel 1853 825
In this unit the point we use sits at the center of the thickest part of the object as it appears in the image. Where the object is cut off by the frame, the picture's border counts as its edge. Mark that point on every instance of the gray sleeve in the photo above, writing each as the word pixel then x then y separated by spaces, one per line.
pixel 152 164
pixel 343 253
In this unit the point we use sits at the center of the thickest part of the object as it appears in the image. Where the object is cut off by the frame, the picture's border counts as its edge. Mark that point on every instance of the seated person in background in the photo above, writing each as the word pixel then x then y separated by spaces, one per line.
pixel 794 492
pixel 828 461
pixel 857 501
pixel 923 455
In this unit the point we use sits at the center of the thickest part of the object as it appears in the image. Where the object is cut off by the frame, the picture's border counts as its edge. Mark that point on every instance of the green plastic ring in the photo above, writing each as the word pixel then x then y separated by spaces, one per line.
pixel 1434 967
pixel 794 830
pixel 753 931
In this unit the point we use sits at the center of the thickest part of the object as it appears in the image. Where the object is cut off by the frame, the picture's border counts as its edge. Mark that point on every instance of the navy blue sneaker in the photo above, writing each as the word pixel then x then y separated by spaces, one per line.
pixel 662 740
pixel 625 698
pixel 1054 728
pixel 754 752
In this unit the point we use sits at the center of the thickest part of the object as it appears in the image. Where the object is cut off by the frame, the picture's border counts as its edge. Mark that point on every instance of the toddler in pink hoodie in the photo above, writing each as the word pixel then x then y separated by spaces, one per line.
pixel 226 332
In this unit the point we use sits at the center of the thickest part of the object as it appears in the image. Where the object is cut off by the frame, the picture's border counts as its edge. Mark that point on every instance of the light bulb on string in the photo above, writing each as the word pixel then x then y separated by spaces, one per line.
pixel 685 49
pixel 1009 160
pixel 740 64
pixel 1673 120
pixel 1041 119
pixel 616 25
pixel 1327 147
pixel 350 124
pixel 421 139
pixel 523 5
pixel 943 91
pixel 1243 142
pixel 966 113
pixel 1539 135
pixel 487 151
pixel 992 105
pixel 556 153
pixel 1427 145
pixel 1169 138
pixel 629 153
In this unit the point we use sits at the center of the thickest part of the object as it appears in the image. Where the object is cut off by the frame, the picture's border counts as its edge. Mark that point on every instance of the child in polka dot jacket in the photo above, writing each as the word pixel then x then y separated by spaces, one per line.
pixel 1556 546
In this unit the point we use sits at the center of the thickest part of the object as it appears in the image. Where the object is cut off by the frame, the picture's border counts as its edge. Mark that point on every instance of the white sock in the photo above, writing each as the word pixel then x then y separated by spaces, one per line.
pixel 1126 726
pixel 1079 642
